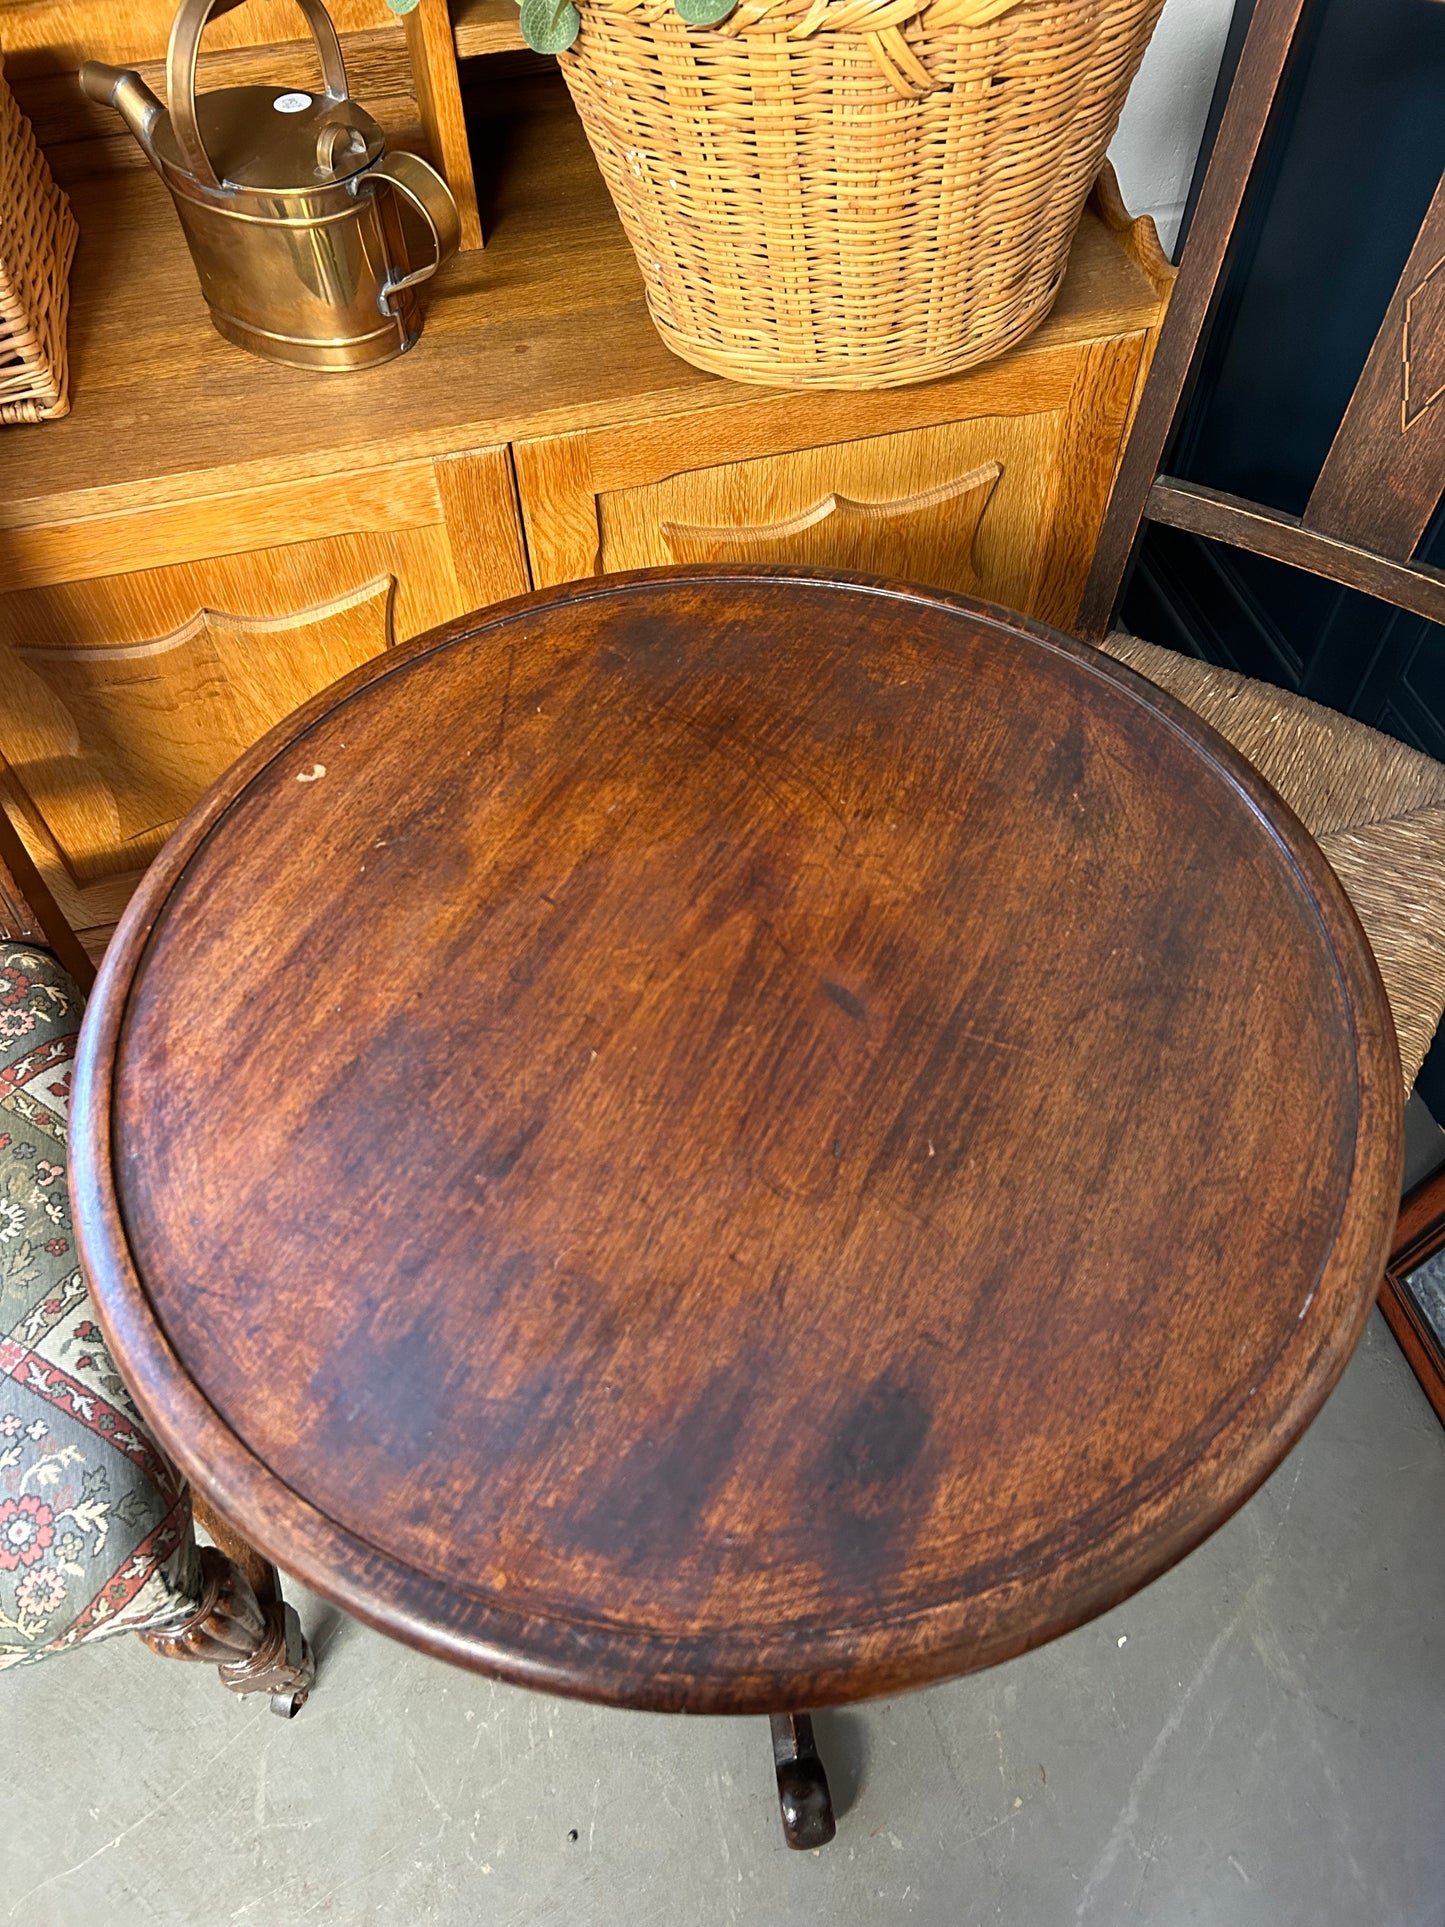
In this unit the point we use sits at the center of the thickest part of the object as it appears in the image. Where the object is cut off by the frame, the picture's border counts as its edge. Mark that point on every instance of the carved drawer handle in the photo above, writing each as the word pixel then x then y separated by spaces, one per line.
pixel 133 732
pixel 925 537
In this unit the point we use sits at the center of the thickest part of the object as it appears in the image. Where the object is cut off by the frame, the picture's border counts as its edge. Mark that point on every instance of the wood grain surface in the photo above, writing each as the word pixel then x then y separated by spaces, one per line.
pixel 486 27
pixel 439 95
pixel 598 501
pixel 54 36
pixel 1251 525
pixel 923 492
pixel 731 1141
pixel 1382 477
pixel 927 535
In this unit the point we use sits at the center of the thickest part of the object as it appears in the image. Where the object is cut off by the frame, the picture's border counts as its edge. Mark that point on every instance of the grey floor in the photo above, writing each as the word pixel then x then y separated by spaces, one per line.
pixel 1258 1740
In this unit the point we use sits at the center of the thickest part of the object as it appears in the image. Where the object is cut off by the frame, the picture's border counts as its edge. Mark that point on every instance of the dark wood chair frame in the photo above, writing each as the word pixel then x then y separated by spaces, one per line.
pixel 242 1624
pixel 1385 470
pixel 1371 503
pixel 1419 1236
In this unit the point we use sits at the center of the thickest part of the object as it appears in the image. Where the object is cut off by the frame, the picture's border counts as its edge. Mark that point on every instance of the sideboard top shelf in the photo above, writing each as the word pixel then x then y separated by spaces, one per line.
pixel 486 27
pixel 544 332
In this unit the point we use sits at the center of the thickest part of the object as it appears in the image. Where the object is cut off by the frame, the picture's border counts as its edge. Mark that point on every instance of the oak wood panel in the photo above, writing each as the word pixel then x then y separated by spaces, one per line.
pixel 635 453
pixel 273 582
pixel 147 726
pixel 122 697
pixel 110 746
pixel 55 36
pixel 927 537
pixel 562 479
pixel 486 27
pixel 1093 427
pixel 912 1133
pixel 1036 539
pixel 932 547
pixel 1249 525
pixel 371 501
pixel 558 498
pixel 1385 468
pixel 544 331
pixel 439 96
pixel 1262 60
pixel 484 525
pixel 743 423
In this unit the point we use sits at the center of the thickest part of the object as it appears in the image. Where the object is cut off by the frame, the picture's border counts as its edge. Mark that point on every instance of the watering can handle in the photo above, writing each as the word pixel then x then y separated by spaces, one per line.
pixel 184 49
pixel 429 194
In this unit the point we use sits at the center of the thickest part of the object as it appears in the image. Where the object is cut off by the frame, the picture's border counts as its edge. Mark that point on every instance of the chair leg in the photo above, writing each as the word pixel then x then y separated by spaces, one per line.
pixel 803 1796
pixel 242 1626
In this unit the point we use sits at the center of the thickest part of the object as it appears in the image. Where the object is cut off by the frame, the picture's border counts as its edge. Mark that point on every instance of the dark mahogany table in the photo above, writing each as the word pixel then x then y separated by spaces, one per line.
pixel 732 1141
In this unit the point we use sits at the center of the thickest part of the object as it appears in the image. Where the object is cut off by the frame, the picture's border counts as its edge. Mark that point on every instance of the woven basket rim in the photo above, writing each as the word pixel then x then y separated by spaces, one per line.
pixel 879 24
pixel 801 19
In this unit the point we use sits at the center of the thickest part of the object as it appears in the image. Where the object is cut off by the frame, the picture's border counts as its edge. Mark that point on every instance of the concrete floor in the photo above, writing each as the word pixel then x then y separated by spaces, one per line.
pixel 1256 1741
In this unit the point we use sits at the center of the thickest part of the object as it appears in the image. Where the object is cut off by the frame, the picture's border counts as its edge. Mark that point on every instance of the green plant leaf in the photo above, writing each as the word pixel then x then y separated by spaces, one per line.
pixel 704 13
pixel 550 26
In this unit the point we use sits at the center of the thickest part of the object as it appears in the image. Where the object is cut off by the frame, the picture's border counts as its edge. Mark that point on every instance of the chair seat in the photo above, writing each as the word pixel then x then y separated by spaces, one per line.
pixel 95 1525
pixel 1376 807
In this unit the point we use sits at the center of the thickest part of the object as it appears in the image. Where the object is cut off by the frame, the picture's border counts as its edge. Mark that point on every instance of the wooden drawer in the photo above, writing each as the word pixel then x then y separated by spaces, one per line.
pixel 987 484
pixel 961 506
pixel 125 690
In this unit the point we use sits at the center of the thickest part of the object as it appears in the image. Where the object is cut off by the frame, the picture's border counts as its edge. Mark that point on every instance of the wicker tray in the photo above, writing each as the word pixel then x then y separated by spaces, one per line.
pixel 37 243
pixel 852 193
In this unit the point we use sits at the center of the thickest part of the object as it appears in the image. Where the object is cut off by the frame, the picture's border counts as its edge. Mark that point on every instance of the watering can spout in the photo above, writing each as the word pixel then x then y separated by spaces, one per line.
pixel 124 89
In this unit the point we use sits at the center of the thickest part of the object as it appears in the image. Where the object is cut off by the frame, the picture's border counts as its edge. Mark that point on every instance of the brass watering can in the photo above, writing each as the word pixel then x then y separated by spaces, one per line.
pixel 289 203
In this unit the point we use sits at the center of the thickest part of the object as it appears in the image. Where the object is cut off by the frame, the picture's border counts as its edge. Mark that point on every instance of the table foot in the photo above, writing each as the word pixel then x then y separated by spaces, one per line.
pixel 803 1797
pixel 254 1641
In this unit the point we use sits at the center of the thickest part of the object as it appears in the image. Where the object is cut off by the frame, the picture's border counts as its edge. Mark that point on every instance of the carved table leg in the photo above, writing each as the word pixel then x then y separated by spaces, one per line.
pixel 265 1581
pixel 803 1796
pixel 257 1646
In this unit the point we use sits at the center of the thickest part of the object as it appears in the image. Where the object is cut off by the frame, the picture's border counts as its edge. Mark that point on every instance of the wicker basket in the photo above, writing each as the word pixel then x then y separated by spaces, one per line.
pixel 37 243
pixel 852 193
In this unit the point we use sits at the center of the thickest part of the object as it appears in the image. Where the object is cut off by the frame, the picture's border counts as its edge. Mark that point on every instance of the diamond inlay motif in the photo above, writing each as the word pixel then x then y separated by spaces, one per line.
pixel 1422 349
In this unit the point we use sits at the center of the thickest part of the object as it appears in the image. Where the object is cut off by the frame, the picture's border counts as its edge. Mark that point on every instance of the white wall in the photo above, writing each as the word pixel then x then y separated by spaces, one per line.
pixel 1158 138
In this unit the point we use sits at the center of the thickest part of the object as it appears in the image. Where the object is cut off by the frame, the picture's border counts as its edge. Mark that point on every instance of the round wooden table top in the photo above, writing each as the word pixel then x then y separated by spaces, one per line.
pixel 732 1139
